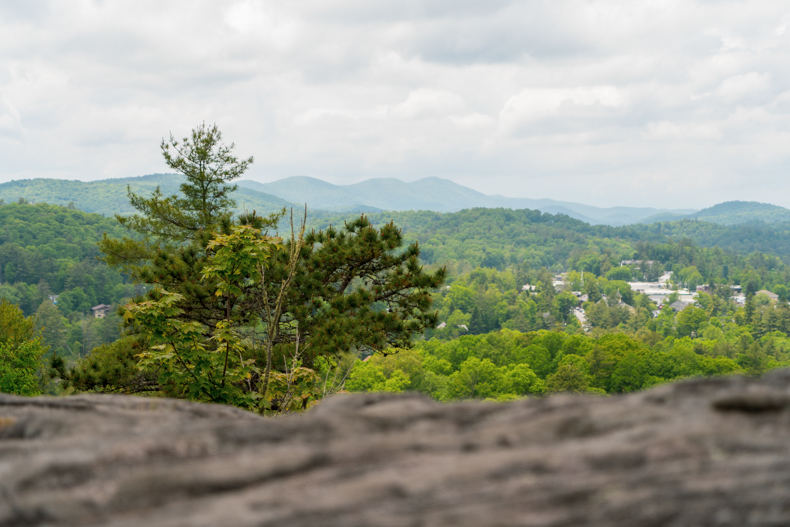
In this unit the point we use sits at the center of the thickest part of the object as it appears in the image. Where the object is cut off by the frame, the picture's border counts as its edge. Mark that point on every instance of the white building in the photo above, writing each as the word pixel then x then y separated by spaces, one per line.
pixel 659 291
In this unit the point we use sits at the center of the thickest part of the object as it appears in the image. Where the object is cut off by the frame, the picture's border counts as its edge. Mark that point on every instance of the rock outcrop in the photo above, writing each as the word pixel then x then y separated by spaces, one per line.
pixel 708 452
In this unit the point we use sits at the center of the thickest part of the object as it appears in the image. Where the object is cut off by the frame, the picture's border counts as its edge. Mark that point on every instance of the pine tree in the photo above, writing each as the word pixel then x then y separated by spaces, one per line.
pixel 358 288
pixel 205 203
pixel 173 232
pixel 218 280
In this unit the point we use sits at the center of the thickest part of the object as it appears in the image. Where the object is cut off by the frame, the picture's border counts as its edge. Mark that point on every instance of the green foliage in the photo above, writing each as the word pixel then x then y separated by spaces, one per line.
pixel 14 326
pixel 201 210
pixel 238 257
pixel 521 381
pixel 179 351
pixel 110 368
pixel 689 320
pixel 509 364
pixel 475 379
pixel 572 375
pixel 51 250
pixel 19 367
pixel 358 288
pixel 486 366
pixel 500 238
pixel 619 273
pixel 370 378
pixel 189 321
pixel 238 262
pixel 528 241
pixel 21 350
pixel 367 377
pixel 294 390
pixel 361 288
pixel 53 325
pixel 240 317
pixel 743 239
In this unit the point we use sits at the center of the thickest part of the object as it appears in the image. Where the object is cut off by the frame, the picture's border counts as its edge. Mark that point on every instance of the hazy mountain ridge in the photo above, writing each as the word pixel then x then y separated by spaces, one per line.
pixel 376 194
pixel 109 196
pixel 435 194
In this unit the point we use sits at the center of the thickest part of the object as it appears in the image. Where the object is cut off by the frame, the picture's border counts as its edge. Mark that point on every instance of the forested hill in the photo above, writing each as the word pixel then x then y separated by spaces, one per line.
pixel 737 212
pixel 49 249
pixel 500 238
pixel 731 213
pixel 48 243
pixel 109 196
pixel 739 239
pixel 495 238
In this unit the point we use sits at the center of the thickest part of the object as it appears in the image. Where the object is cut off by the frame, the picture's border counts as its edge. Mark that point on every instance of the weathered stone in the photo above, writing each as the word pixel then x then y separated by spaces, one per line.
pixel 708 452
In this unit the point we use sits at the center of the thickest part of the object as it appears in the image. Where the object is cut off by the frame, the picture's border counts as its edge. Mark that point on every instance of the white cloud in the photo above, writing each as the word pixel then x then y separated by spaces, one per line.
pixel 666 102
pixel 751 88
pixel 428 104
pixel 534 111
pixel 264 21
pixel 668 131
pixel 10 126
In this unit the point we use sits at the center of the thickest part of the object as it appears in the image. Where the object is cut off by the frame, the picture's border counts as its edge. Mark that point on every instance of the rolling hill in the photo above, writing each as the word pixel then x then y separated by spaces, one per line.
pixel 109 196
pixel 736 212
pixel 731 213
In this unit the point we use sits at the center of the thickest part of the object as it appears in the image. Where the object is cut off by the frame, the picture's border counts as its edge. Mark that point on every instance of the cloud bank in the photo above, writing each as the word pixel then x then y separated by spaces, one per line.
pixel 663 102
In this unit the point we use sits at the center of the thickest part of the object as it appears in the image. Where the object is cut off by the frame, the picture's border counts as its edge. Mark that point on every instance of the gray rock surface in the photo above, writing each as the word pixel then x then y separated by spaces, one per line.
pixel 697 453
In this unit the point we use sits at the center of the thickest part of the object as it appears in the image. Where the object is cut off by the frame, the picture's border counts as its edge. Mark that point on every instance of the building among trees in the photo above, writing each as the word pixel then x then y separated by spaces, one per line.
pixel 101 310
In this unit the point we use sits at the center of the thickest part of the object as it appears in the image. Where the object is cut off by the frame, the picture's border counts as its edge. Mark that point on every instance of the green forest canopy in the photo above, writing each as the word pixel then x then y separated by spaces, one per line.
pixel 51 250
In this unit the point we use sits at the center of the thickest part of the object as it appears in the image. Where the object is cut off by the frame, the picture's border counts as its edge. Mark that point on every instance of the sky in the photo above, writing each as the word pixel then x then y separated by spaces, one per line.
pixel 663 103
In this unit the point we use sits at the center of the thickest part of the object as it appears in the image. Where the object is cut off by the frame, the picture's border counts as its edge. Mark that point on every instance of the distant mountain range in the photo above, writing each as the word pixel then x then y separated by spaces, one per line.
pixel 109 196
pixel 436 194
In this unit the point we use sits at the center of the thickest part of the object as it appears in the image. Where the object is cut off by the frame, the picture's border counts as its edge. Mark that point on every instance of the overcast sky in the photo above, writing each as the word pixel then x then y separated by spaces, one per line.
pixel 651 102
